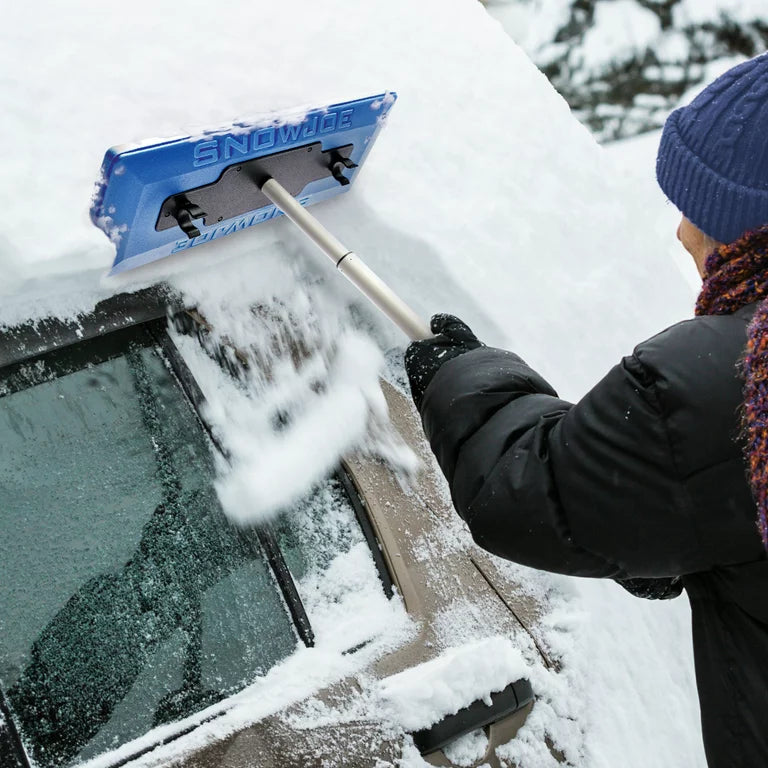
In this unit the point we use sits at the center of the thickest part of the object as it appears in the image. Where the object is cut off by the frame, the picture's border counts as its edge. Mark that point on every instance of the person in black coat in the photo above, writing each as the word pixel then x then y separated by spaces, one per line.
pixel 658 477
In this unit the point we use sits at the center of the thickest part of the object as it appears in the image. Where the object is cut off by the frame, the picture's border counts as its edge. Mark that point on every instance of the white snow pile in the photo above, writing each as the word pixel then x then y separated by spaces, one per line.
pixel 425 694
pixel 482 197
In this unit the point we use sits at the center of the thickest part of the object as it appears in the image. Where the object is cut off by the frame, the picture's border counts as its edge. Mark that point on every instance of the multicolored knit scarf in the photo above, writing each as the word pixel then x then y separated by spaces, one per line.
pixel 736 275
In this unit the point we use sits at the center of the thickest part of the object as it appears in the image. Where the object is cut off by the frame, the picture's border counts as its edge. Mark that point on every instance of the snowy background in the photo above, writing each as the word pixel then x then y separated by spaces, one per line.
pixel 622 64
pixel 484 197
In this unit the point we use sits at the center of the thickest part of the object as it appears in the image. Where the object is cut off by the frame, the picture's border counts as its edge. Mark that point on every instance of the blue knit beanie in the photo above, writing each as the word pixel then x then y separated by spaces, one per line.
pixel 713 158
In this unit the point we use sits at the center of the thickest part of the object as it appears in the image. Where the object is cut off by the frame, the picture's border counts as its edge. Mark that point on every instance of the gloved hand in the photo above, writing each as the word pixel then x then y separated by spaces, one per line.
pixel 424 358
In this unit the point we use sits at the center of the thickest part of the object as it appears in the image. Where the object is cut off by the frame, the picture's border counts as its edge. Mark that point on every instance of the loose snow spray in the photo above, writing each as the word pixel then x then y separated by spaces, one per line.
pixel 309 393
pixel 275 464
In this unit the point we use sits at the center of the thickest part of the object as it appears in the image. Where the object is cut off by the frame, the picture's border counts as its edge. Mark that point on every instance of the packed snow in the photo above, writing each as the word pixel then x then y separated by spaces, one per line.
pixel 483 197
pixel 467 750
pixel 424 694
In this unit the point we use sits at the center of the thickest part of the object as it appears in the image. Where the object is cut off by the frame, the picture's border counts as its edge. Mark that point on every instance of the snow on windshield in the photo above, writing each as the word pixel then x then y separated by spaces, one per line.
pixel 482 197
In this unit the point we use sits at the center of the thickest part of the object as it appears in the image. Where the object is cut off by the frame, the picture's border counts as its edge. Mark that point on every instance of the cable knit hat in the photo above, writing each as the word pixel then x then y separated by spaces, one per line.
pixel 713 158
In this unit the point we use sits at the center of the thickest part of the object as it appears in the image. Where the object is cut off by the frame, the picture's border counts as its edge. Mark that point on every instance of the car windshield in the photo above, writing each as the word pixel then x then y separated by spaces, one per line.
pixel 127 598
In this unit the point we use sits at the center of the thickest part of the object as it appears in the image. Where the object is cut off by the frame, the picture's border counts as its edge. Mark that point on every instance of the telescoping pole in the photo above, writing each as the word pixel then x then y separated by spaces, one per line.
pixel 348 263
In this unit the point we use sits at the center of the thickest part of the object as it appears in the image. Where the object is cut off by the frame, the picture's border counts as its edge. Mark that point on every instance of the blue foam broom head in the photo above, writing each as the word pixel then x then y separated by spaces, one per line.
pixel 161 197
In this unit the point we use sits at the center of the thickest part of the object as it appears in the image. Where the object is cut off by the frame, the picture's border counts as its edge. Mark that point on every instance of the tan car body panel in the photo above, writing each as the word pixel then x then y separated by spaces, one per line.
pixel 403 521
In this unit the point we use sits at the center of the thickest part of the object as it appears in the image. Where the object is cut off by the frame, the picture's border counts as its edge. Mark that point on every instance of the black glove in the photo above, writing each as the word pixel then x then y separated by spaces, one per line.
pixel 664 588
pixel 424 358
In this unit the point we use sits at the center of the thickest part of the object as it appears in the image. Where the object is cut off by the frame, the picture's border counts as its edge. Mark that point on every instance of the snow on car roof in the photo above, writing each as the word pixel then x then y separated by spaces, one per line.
pixel 480 170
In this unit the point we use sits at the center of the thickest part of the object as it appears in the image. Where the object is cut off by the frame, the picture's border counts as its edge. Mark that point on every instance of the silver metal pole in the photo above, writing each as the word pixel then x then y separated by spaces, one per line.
pixel 349 264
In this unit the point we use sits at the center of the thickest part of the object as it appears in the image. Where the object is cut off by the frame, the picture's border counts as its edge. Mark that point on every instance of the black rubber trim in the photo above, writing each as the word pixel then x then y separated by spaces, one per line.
pixel 32 339
pixel 361 513
pixel 287 585
pixel 477 715
pixel 162 742
pixel 62 360
pixel 12 752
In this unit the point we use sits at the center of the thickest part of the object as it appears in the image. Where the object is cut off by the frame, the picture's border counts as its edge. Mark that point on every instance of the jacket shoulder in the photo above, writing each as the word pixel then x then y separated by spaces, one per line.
pixel 708 346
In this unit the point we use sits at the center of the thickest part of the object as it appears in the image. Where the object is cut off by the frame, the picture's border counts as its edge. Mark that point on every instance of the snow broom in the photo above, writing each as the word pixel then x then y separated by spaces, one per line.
pixel 162 197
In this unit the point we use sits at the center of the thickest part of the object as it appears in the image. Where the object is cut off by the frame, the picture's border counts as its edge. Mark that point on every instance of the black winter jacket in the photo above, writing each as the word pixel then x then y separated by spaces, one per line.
pixel 643 477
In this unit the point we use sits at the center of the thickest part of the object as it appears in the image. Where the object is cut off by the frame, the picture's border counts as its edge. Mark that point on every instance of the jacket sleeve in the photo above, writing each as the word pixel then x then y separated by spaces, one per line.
pixel 587 489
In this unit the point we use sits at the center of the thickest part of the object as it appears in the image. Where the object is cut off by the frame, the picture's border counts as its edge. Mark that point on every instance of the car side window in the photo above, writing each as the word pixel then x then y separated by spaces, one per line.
pixel 317 529
pixel 127 599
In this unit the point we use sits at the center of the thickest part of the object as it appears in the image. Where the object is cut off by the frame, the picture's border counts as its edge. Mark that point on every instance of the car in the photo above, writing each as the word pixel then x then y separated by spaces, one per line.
pixel 141 627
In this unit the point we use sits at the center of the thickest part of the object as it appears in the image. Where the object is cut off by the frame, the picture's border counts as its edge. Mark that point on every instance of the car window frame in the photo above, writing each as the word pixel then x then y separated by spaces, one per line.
pixel 144 317
pixel 69 358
